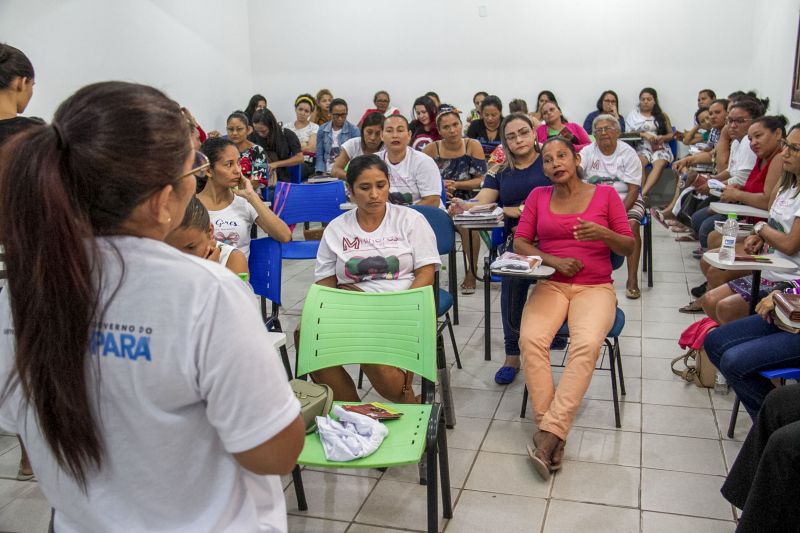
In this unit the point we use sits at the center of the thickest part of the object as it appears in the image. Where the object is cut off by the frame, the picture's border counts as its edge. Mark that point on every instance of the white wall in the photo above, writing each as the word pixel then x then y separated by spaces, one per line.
pixel 211 56
pixel 577 49
pixel 774 41
pixel 197 51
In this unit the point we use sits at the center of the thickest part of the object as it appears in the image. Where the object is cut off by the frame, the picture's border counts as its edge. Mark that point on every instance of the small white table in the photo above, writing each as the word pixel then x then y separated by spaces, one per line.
pixel 540 272
pixel 740 210
pixel 278 341
pixel 476 225
pixel 778 264
pixel 347 206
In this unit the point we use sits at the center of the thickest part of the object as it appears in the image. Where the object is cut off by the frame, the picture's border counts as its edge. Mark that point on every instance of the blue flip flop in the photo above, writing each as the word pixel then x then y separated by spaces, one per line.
pixel 506 375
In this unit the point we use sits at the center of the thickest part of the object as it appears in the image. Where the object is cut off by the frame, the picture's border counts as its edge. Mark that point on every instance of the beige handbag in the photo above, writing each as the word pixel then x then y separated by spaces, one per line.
pixel 315 400
pixel 699 370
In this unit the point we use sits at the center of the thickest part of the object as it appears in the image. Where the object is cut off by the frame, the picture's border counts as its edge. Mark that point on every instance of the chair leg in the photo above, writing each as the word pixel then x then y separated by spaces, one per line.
pixel 487 328
pixel 433 504
pixel 299 491
pixel 360 379
pixel 453 284
pixel 452 339
pixel 444 471
pixel 649 245
pixel 734 414
pixel 524 401
pixel 444 384
pixel 612 367
pixel 618 357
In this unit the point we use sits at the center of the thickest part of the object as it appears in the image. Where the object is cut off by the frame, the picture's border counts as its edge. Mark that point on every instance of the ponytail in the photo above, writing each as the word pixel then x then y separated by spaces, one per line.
pixel 111 146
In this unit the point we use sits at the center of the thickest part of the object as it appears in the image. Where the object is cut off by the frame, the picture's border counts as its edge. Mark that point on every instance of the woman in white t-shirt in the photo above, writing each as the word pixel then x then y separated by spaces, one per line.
pixel 368 143
pixel 414 176
pixel 232 203
pixel 138 411
pixel 377 247
pixel 195 236
pixel 306 130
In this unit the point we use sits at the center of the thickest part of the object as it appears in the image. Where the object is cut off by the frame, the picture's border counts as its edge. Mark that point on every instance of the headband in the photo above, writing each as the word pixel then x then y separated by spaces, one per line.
pixel 307 99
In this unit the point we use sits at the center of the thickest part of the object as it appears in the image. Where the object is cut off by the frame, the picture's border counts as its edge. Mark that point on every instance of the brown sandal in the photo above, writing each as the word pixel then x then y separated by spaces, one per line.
pixel 540 463
pixel 692 307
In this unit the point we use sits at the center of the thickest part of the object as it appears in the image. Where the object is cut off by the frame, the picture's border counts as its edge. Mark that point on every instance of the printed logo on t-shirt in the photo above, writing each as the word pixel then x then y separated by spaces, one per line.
pixel 608 180
pixel 401 198
pixel 124 341
pixel 421 141
pixel 224 234
pixel 372 268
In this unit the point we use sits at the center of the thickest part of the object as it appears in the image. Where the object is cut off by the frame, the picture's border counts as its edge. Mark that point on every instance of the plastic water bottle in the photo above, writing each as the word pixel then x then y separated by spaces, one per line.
pixel 720 384
pixel 727 252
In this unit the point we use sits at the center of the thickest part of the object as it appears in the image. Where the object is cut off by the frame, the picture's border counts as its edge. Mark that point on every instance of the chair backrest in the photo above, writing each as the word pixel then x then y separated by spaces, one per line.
pixel 442 226
pixel 308 202
pixel 296 173
pixel 341 327
pixel 265 268
pixel 617 260
pixel 673 145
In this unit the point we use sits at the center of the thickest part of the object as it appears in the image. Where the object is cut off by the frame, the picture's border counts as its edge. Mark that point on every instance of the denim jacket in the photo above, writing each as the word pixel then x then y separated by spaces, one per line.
pixel 325 141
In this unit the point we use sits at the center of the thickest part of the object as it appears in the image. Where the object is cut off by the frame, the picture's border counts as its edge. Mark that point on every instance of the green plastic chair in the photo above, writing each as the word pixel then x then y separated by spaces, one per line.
pixel 341 327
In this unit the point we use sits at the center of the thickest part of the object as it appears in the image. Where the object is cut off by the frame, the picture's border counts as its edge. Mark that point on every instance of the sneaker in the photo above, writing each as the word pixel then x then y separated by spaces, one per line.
pixel 700 290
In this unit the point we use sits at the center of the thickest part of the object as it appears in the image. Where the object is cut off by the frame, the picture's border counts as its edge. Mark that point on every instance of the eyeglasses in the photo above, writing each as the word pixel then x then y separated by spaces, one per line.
pixel 793 148
pixel 201 164
pixel 338 115
pixel 512 137
pixel 381 101
pixel 604 129
pixel 738 121
pixel 610 101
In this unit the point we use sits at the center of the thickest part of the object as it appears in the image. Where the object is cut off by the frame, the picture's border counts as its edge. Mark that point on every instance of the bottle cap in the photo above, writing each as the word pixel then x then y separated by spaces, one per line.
pixel 244 276
pixel 732 216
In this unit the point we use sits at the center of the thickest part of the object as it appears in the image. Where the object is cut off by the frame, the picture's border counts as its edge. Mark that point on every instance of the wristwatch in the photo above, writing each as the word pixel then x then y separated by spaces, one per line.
pixel 758 227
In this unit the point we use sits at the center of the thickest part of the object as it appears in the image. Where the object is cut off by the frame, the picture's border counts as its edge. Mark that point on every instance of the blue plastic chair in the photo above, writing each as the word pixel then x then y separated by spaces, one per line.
pixel 295 203
pixel 780 373
pixel 615 357
pixel 296 173
pixel 265 278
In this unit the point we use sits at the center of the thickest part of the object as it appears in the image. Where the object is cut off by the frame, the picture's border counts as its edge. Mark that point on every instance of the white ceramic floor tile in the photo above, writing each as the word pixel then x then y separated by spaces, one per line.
pixel 682 493
pixel 670 523
pixel 597 483
pixel 674 393
pixel 518 476
pixel 399 505
pixel 604 446
pixel 485 511
pixel 575 517
pixel 316 525
pixel 330 496
pixel 681 421
pixel 682 454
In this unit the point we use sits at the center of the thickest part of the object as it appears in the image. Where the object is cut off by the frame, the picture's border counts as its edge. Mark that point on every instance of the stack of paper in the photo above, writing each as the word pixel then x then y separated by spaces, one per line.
pixel 480 214
pixel 511 262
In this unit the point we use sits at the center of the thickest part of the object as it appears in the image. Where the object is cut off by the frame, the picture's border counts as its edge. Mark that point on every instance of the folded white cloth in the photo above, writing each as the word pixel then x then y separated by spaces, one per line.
pixel 352 436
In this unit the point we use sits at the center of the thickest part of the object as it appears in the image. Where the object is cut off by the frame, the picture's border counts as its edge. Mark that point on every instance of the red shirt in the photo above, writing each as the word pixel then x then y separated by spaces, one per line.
pixel 755 181
pixel 556 235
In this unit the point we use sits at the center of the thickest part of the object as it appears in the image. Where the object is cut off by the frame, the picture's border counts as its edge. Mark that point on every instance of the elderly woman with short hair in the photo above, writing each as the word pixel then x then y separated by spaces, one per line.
pixel 615 163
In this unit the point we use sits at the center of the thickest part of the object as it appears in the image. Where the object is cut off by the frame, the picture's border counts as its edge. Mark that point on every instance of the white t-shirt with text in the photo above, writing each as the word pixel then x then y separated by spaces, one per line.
pixel 618 169
pixel 413 178
pixel 785 209
pixel 182 375
pixel 741 161
pixel 232 224
pixel 383 260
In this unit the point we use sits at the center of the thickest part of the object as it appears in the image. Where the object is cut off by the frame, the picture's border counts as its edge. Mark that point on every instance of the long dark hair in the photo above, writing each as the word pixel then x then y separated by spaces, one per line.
pixel 110 147
pixel 429 105
pixel 550 96
pixel 661 120
pixel 603 95
pixel 373 119
pixel 251 105
pixel 275 140
pixel 13 64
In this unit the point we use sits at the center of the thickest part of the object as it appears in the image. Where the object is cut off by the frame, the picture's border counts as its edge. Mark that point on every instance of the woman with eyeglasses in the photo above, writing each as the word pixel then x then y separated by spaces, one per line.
pixel 232 203
pixel 423 127
pixel 574 227
pixel 252 157
pixel 556 125
pixel 462 167
pixel 381 101
pixel 129 384
pixel 656 131
pixel 508 186
pixel 607 104
pixel 280 144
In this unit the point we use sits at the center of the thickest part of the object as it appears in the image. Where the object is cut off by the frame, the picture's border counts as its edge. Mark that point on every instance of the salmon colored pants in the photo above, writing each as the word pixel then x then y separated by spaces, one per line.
pixel 590 312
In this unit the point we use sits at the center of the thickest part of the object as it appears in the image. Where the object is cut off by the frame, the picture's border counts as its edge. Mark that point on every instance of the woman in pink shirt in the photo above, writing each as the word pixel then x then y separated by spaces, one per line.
pixel 555 124
pixel 575 226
